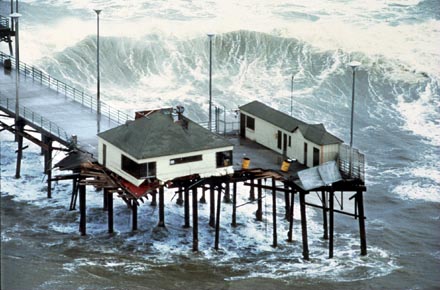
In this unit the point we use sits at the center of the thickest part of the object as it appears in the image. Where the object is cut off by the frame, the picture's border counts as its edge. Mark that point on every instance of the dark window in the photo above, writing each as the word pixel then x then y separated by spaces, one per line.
pixel 139 171
pixel 290 141
pixel 186 159
pixel 250 122
pixel 305 154
pixel 104 154
pixel 224 158
pixel 279 136
pixel 315 156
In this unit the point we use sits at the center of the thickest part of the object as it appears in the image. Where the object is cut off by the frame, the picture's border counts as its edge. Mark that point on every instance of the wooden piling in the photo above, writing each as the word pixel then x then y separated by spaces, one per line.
pixel 324 214
pixel 74 194
pixel 290 232
pixel 153 198
pixel 104 200
pixel 134 210
pixel 274 213
pixel 19 137
pixel 302 203
pixel 252 191
pixel 179 200
pixel 110 210
pixel 331 224
pixel 363 237
pixel 217 220
pixel 82 209
pixel 227 198
pixel 287 202
pixel 259 213
pixel 211 205
pixel 234 204
pixel 195 247
pixel 48 165
pixel 161 208
pixel 186 206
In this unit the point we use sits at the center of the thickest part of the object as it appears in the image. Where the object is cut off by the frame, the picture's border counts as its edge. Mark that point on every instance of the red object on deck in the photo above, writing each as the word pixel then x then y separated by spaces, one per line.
pixel 139 191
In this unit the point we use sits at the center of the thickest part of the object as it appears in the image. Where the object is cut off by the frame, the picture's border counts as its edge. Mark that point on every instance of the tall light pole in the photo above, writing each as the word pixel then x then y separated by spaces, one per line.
pixel 98 93
pixel 353 65
pixel 15 17
pixel 210 35
pixel 291 95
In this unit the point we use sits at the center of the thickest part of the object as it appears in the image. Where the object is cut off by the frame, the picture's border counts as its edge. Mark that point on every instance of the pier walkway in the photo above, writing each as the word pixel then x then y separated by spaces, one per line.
pixel 51 105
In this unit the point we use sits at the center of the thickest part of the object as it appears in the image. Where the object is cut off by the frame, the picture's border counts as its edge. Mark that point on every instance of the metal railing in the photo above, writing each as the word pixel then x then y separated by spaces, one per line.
pixel 351 162
pixel 61 87
pixel 37 120
pixel 4 21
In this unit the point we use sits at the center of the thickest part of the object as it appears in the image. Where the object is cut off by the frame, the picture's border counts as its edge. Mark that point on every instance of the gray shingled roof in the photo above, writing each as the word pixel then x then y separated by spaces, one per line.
pixel 158 135
pixel 315 133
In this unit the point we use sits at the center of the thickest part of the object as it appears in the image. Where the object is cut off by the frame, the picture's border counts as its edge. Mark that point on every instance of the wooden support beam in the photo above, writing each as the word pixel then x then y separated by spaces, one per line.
pixel 252 191
pixel 195 246
pixel 331 225
pixel 217 220
pixel 287 202
pixel 274 213
pixel 179 200
pixel 291 215
pixel 259 213
pixel 19 138
pixel 186 201
pixel 134 211
pixel 234 204
pixel 227 198
pixel 104 200
pixel 363 236
pixel 324 214
pixel 75 187
pixel 305 242
pixel 110 210
pixel 82 209
pixel 161 208
pixel 48 164
pixel 211 205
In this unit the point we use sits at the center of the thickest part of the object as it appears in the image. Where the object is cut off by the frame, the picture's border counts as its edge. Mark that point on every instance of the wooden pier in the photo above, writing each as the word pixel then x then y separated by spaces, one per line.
pixel 66 119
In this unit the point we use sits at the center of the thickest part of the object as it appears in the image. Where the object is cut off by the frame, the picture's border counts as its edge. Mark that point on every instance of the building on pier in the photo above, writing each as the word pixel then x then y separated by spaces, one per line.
pixel 310 144
pixel 161 145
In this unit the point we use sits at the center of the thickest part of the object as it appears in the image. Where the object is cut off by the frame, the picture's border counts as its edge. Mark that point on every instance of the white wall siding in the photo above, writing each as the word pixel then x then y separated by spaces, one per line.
pixel 164 170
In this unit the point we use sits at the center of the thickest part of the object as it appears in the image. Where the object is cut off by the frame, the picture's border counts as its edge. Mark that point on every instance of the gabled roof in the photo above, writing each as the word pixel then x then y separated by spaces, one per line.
pixel 315 133
pixel 159 135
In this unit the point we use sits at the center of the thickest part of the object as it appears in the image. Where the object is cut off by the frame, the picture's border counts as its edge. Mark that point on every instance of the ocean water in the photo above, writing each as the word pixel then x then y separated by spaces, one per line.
pixel 156 53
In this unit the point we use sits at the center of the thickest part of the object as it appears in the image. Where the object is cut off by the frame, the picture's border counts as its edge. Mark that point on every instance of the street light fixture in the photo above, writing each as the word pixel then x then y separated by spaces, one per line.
pixel 210 35
pixel 15 17
pixel 98 93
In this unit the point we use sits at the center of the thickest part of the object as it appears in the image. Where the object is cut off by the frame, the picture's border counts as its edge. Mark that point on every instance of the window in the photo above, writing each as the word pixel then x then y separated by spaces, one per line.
pixel 224 158
pixel 139 171
pixel 290 141
pixel 279 136
pixel 186 159
pixel 250 123
pixel 315 156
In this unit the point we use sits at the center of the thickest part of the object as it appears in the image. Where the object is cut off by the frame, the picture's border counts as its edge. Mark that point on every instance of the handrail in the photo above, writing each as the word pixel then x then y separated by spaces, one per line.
pixel 37 120
pixel 69 91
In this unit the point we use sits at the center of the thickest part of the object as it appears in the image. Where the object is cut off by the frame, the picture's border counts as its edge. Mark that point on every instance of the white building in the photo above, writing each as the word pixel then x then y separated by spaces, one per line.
pixel 311 145
pixel 158 147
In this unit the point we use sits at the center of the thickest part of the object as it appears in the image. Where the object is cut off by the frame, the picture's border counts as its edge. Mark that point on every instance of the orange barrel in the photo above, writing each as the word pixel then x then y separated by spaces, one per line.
pixel 245 163
pixel 286 164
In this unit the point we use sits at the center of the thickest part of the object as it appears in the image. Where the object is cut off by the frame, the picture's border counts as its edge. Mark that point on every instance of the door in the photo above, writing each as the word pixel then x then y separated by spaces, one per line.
pixel 284 145
pixel 279 136
pixel 242 125
pixel 315 156
pixel 305 154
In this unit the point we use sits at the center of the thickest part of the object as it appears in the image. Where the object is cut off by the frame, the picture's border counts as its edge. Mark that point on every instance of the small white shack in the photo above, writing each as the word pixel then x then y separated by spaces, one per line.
pixel 311 145
pixel 158 146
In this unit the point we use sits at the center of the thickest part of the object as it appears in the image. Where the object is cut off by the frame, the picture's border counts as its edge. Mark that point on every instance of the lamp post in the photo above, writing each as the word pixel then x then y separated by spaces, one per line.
pixel 15 17
pixel 291 96
pixel 210 35
pixel 353 65
pixel 98 93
